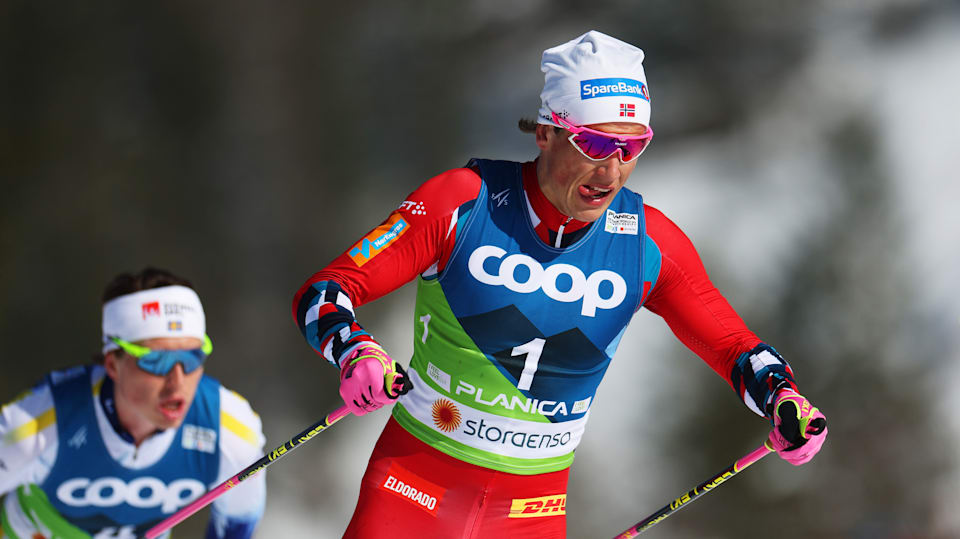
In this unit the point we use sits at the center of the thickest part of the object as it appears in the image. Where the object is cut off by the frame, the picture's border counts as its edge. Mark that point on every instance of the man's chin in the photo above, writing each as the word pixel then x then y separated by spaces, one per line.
pixel 164 423
pixel 589 215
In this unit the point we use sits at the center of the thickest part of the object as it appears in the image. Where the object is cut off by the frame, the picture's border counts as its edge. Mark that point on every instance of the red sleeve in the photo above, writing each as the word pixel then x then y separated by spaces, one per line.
pixel 412 238
pixel 690 304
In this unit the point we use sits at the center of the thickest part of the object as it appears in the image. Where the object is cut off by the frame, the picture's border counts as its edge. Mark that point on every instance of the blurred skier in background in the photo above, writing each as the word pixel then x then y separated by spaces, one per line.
pixel 111 449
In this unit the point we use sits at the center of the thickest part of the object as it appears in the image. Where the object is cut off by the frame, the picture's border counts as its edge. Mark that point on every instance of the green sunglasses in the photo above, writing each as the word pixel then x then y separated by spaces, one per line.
pixel 160 362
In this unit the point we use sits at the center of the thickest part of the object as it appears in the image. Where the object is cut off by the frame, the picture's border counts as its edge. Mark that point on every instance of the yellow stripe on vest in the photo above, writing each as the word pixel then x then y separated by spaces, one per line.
pixel 235 426
pixel 30 428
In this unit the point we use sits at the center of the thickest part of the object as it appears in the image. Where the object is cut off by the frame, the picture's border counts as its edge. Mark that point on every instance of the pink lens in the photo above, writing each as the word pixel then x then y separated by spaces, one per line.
pixel 598 145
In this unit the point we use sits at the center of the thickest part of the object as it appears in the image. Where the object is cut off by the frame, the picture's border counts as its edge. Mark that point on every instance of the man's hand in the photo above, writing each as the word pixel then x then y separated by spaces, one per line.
pixel 799 429
pixel 370 378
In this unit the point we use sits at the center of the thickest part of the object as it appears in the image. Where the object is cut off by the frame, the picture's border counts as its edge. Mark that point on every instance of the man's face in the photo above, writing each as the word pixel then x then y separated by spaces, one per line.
pixel 578 187
pixel 147 402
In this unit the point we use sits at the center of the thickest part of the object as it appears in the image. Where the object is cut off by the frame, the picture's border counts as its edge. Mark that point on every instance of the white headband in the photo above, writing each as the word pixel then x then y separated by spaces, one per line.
pixel 594 79
pixel 168 311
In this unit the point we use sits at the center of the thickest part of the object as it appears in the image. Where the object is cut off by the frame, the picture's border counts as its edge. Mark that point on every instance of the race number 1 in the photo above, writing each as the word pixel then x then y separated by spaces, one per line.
pixel 532 349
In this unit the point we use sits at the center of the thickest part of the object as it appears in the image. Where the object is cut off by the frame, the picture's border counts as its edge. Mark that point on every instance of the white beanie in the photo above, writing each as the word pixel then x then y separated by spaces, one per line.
pixel 166 311
pixel 594 79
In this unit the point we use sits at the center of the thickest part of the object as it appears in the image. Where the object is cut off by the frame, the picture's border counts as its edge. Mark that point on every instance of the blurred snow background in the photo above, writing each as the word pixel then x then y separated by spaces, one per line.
pixel 809 151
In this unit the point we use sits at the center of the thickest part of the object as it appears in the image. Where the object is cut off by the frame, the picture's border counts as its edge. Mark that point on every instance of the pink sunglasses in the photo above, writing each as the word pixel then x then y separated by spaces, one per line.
pixel 599 146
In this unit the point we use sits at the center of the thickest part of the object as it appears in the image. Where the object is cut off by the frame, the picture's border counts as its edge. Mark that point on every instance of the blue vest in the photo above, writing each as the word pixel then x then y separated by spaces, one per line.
pixel 93 491
pixel 516 296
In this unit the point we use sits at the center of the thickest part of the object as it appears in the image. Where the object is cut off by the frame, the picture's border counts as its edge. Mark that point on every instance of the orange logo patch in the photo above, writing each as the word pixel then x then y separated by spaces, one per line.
pixel 378 239
pixel 544 506
pixel 413 488
pixel 446 416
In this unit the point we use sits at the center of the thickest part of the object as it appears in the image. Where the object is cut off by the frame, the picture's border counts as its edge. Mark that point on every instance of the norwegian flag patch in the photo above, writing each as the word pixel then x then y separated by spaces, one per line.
pixel 628 110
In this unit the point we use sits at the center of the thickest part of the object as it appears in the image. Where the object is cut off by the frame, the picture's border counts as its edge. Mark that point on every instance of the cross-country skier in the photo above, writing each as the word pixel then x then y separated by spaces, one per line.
pixel 528 275
pixel 110 449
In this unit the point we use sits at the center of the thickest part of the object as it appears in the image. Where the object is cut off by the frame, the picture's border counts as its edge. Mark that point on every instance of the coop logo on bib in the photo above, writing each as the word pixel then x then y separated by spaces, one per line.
pixel 142 492
pixel 602 289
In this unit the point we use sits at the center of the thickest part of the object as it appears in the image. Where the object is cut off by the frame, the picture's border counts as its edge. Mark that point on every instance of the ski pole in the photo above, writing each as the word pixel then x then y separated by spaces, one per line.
pixel 247 472
pixel 697 491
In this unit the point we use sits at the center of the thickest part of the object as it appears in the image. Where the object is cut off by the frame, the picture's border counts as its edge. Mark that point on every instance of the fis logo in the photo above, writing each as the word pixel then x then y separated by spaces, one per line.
pixel 378 239
pixel 544 506
pixel 610 87
pixel 79 438
pixel 501 197
pixel 583 288
pixel 142 492
pixel 150 309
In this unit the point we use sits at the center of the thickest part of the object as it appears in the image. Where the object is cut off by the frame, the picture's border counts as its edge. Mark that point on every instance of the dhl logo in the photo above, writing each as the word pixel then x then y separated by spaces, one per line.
pixel 543 506
pixel 378 239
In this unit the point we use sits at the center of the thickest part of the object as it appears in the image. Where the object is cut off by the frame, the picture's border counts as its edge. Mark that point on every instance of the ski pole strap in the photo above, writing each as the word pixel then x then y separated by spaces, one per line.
pixel 697 491
pixel 247 472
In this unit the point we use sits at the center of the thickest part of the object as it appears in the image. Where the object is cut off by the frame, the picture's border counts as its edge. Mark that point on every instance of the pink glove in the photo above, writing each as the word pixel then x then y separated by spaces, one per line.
pixel 799 429
pixel 370 378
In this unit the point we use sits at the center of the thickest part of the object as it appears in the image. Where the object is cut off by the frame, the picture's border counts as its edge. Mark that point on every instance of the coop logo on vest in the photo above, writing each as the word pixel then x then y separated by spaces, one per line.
pixel 582 287
pixel 142 492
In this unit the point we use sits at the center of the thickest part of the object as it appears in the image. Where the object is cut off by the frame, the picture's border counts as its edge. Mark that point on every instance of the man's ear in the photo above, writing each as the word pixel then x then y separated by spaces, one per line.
pixel 110 361
pixel 543 134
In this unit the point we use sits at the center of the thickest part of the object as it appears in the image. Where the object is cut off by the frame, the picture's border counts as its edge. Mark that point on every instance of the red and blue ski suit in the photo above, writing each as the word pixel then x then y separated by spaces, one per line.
pixel 519 312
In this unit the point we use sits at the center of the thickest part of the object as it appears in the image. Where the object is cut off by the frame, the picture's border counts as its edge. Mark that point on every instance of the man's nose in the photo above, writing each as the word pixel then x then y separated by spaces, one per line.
pixel 611 166
pixel 175 376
